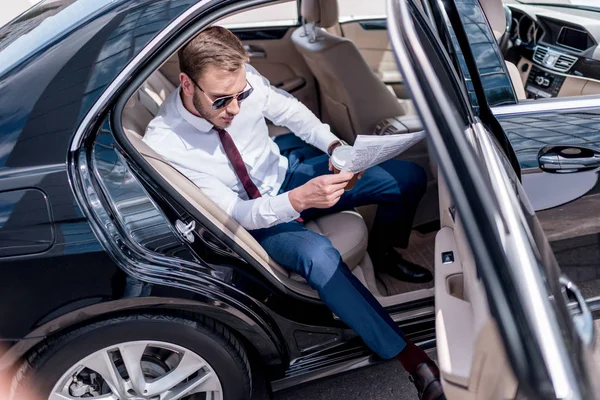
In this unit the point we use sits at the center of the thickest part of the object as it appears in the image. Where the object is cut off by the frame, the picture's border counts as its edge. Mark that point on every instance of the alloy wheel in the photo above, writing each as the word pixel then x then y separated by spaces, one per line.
pixel 140 370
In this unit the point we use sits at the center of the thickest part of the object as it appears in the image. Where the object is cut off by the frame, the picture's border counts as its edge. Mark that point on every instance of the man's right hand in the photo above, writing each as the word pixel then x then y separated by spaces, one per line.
pixel 320 192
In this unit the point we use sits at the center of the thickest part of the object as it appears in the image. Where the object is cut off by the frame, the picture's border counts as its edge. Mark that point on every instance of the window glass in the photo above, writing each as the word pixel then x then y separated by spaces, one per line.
pixel 282 14
pixel 353 9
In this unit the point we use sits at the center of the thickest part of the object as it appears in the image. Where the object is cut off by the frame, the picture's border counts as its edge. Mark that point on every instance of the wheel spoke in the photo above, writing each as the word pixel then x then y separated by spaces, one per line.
pixel 208 383
pixel 59 396
pixel 201 384
pixel 132 358
pixel 102 363
pixel 187 366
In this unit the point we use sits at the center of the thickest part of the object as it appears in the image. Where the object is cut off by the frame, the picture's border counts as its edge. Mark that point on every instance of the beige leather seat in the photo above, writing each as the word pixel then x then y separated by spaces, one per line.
pixel 346 230
pixel 353 98
pixel 144 104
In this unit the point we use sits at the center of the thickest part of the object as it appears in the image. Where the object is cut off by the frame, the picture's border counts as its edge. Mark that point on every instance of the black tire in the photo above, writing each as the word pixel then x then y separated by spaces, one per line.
pixel 204 336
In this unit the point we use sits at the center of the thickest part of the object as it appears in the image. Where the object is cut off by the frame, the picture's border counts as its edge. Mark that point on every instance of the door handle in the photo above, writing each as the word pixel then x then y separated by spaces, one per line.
pixel 567 159
pixel 291 85
pixel 254 52
pixel 581 314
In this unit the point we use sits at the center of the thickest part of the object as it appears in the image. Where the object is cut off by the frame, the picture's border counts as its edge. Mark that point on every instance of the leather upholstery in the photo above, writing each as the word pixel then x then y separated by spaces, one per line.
pixel 494 12
pixel 515 78
pixel 346 230
pixel 353 98
pixel 322 12
pixel 144 104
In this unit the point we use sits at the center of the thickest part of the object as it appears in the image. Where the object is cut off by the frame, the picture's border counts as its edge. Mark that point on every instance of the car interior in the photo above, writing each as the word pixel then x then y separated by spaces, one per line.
pixel 345 72
pixel 554 49
pixel 299 60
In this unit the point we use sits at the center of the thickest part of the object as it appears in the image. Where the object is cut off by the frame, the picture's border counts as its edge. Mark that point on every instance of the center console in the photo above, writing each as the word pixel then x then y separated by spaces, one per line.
pixel 548 73
pixel 542 83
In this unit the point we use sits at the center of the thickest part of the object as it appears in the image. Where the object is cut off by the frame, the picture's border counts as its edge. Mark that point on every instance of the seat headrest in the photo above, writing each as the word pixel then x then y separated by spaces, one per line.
pixel 323 13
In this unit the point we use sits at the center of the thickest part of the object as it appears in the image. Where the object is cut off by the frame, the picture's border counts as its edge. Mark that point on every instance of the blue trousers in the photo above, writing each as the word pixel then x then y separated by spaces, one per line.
pixel 396 187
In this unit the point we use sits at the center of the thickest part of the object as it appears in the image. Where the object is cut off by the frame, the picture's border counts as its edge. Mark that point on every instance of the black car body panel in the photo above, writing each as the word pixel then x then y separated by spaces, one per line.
pixel 58 269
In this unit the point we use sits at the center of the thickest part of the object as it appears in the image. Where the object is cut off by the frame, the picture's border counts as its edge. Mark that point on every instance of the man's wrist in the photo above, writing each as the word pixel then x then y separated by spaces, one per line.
pixel 295 197
pixel 332 146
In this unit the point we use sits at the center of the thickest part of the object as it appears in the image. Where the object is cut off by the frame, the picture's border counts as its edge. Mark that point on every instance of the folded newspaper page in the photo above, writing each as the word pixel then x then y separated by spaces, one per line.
pixel 370 150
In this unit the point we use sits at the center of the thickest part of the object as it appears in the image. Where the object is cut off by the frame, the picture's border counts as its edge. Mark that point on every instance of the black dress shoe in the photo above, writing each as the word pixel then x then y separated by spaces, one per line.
pixel 426 379
pixel 394 265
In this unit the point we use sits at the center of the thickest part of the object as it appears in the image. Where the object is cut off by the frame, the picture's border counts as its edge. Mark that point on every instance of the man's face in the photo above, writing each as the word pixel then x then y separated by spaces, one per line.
pixel 215 83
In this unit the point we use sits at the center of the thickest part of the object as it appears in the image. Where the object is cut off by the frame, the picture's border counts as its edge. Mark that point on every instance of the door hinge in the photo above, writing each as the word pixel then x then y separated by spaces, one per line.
pixel 186 230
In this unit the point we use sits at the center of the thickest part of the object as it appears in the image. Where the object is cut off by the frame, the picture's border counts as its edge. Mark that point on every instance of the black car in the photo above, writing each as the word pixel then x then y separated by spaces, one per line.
pixel 122 280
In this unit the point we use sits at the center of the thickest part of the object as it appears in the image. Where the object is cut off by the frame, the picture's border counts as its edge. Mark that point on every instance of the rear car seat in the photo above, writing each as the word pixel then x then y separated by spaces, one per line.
pixel 346 230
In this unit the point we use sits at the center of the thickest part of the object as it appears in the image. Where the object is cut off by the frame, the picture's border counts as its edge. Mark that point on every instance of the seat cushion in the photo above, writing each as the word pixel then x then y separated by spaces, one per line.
pixel 347 232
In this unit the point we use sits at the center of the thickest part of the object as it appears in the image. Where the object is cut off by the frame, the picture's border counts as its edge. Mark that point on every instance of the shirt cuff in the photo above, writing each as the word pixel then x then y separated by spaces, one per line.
pixel 324 139
pixel 283 209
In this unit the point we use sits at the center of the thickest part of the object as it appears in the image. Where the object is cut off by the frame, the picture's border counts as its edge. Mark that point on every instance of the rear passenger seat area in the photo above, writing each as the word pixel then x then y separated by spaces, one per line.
pixel 346 230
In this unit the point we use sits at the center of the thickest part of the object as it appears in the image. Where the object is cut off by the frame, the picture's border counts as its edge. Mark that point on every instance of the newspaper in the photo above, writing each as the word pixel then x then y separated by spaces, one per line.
pixel 370 150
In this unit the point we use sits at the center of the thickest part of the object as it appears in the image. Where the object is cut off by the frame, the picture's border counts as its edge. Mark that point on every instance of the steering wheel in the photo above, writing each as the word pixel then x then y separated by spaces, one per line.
pixel 504 41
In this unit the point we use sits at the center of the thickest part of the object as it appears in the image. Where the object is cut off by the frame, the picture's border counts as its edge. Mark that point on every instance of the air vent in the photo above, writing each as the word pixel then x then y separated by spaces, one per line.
pixel 564 63
pixel 553 59
pixel 539 54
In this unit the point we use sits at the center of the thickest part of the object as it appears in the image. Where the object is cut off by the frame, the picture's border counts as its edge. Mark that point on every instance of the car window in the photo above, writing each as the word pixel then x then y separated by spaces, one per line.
pixel 282 14
pixel 467 19
pixel 41 25
pixel 352 9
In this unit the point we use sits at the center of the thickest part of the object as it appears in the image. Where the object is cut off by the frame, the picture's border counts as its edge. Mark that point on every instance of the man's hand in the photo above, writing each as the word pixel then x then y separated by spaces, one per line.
pixel 360 174
pixel 320 192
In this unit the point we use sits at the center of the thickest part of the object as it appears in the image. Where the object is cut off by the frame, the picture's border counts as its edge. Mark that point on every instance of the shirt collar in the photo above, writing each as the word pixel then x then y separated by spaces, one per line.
pixel 197 122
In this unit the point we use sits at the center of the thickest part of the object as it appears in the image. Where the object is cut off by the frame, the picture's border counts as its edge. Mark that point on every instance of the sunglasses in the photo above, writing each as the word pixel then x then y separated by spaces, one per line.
pixel 225 100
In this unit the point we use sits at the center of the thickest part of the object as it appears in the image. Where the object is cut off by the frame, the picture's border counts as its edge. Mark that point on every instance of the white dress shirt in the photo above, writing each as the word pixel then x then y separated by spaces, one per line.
pixel 193 147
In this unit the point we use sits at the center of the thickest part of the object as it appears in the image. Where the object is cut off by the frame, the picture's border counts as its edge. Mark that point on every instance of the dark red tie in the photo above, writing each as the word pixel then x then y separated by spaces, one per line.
pixel 235 158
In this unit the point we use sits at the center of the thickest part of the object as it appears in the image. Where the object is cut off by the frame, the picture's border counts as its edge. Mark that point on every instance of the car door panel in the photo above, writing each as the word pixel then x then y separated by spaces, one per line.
pixel 528 132
pixel 513 317
pixel 567 205
pixel 471 356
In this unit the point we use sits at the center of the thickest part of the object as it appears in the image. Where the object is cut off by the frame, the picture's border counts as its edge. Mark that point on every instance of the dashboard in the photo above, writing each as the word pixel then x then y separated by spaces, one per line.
pixel 524 30
pixel 555 49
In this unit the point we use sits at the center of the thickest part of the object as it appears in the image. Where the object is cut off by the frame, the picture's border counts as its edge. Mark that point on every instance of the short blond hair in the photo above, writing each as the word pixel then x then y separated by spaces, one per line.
pixel 214 46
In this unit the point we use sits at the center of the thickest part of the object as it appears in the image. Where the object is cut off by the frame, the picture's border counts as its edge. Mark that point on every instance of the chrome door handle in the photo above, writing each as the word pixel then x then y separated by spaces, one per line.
pixel 566 159
pixel 581 314
pixel 254 52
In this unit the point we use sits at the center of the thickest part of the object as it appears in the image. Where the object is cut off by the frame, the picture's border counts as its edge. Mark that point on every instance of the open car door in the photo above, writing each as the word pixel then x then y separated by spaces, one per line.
pixel 509 324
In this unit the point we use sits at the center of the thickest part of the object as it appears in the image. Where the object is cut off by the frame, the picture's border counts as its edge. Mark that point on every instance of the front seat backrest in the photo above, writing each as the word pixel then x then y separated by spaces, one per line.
pixel 494 12
pixel 353 98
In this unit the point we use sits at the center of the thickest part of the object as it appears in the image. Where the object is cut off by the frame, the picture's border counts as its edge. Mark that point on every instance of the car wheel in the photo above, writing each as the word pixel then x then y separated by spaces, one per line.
pixel 139 357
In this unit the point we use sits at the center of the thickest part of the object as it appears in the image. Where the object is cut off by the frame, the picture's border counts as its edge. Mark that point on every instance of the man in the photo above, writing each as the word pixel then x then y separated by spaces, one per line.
pixel 213 130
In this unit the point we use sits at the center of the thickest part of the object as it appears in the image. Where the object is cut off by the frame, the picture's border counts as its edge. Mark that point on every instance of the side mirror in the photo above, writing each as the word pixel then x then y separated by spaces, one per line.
pixel 568 159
